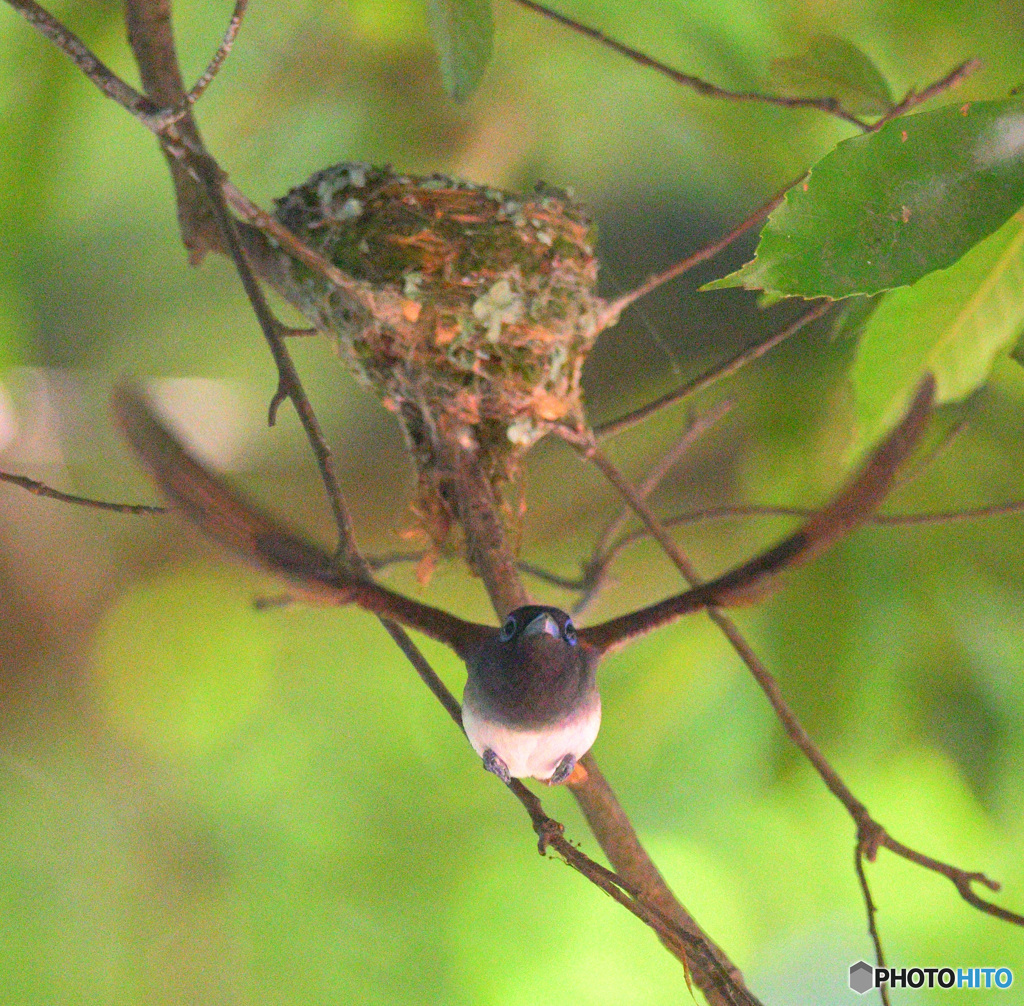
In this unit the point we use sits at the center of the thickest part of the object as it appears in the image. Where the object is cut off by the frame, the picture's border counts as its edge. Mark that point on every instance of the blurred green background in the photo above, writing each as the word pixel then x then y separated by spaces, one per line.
pixel 202 803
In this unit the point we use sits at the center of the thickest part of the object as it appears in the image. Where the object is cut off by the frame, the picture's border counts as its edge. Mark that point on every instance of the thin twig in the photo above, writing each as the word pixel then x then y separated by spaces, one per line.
pixel 870 834
pixel 616 426
pixel 871 910
pixel 830 106
pixel 882 520
pixel 874 836
pixel 913 98
pixel 595 570
pixel 693 432
pixel 220 55
pixel 41 489
pixel 717 513
pixel 95 69
pixel 150 30
pixel 609 314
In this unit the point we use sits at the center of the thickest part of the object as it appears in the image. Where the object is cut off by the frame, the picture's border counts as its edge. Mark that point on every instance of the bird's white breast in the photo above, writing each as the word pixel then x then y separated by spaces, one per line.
pixel 535 753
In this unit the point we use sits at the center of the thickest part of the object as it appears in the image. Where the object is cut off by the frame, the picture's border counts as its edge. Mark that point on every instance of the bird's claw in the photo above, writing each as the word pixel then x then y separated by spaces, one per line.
pixel 494 764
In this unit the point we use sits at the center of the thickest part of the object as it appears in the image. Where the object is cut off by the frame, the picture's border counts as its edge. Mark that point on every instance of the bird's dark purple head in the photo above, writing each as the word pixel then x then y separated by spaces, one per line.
pixel 533 672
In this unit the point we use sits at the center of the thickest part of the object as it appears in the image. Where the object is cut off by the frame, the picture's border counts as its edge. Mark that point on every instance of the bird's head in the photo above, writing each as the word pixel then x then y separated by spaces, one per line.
pixel 534 669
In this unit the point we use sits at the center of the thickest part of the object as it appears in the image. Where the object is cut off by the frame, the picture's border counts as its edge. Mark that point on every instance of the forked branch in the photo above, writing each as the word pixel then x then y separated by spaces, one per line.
pixel 848 510
pixel 829 106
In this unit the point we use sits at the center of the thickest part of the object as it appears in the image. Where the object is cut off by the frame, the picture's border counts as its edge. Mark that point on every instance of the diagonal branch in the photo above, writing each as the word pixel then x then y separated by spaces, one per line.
pixel 715 374
pixel 830 106
pixel 151 37
pixel 870 834
pixel 41 489
pixel 596 568
pixel 746 583
pixel 610 312
pixel 222 53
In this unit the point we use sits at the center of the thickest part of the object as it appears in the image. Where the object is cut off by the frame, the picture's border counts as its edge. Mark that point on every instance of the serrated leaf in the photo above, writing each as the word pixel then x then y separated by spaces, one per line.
pixel 463 34
pixel 885 209
pixel 834 67
pixel 952 323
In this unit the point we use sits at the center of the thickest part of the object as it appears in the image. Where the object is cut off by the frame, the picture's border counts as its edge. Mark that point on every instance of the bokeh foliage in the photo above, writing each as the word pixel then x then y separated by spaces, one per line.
pixel 202 803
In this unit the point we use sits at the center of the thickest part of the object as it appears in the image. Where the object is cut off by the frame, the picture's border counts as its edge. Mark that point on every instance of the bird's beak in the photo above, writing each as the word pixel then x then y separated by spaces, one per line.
pixel 541 624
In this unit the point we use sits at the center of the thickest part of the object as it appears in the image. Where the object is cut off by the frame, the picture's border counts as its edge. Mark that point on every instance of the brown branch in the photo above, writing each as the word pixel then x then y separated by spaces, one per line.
pixel 870 834
pixel 95 69
pixel 223 50
pixel 830 106
pixel 913 98
pixel 41 489
pixel 725 512
pixel 874 836
pixel 871 910
pixel 151 37
pixel 616 426
pixel 610 312
pixel 595 570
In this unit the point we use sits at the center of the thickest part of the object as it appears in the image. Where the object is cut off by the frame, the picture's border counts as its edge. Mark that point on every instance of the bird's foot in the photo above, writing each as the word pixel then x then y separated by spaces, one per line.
pixel 562 770
pixel 494 764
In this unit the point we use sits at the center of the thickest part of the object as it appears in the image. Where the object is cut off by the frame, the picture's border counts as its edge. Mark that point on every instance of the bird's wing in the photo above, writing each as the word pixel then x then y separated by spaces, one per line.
pixel 239 525
pixel 855 503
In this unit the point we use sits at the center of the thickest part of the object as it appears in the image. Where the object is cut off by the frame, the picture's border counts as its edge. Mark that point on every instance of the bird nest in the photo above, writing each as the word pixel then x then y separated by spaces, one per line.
pixel 482 304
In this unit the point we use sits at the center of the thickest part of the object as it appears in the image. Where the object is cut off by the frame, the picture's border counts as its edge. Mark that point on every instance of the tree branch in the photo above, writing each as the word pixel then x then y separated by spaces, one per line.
pixel 151 37
pixel 870 834
pixel 610 313
pixel 616 426
pixel 41 489
pixel 830 106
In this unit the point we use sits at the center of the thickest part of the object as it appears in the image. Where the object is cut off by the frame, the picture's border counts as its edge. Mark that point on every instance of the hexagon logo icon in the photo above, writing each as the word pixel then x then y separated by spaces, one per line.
pixel 861 977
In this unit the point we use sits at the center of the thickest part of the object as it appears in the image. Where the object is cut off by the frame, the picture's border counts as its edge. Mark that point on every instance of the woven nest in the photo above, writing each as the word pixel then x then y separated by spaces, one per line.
pixel 483 305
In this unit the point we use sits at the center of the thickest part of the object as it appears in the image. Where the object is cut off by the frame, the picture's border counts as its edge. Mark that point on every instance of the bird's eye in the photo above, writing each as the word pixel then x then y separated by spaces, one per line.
pixel 508 630
pixel 569 632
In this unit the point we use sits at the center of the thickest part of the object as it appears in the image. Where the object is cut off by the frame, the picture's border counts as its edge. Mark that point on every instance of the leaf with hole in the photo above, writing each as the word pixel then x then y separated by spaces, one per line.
pixel 885 209
pixel 463 34
pixel 953 323
pixel 833 67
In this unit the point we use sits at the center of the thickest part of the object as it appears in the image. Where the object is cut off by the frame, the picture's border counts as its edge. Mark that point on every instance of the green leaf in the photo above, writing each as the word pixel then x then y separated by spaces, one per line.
pixel 1017 353
pixel 834 67
pixel 884 209
pixel 463 34
pixel 952 323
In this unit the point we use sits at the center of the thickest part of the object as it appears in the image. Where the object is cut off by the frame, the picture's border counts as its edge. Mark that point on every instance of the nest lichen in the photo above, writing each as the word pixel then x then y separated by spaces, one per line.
pixel 483 302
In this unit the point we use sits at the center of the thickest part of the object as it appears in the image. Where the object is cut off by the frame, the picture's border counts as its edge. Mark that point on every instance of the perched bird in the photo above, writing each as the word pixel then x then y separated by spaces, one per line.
pixel 531 706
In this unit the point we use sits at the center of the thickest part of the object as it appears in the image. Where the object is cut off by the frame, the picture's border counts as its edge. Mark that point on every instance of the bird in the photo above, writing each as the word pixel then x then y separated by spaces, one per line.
pixel 531 707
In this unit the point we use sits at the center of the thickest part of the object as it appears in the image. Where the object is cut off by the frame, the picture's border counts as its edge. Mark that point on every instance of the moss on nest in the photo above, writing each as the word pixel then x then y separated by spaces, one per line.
pixel 491 306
